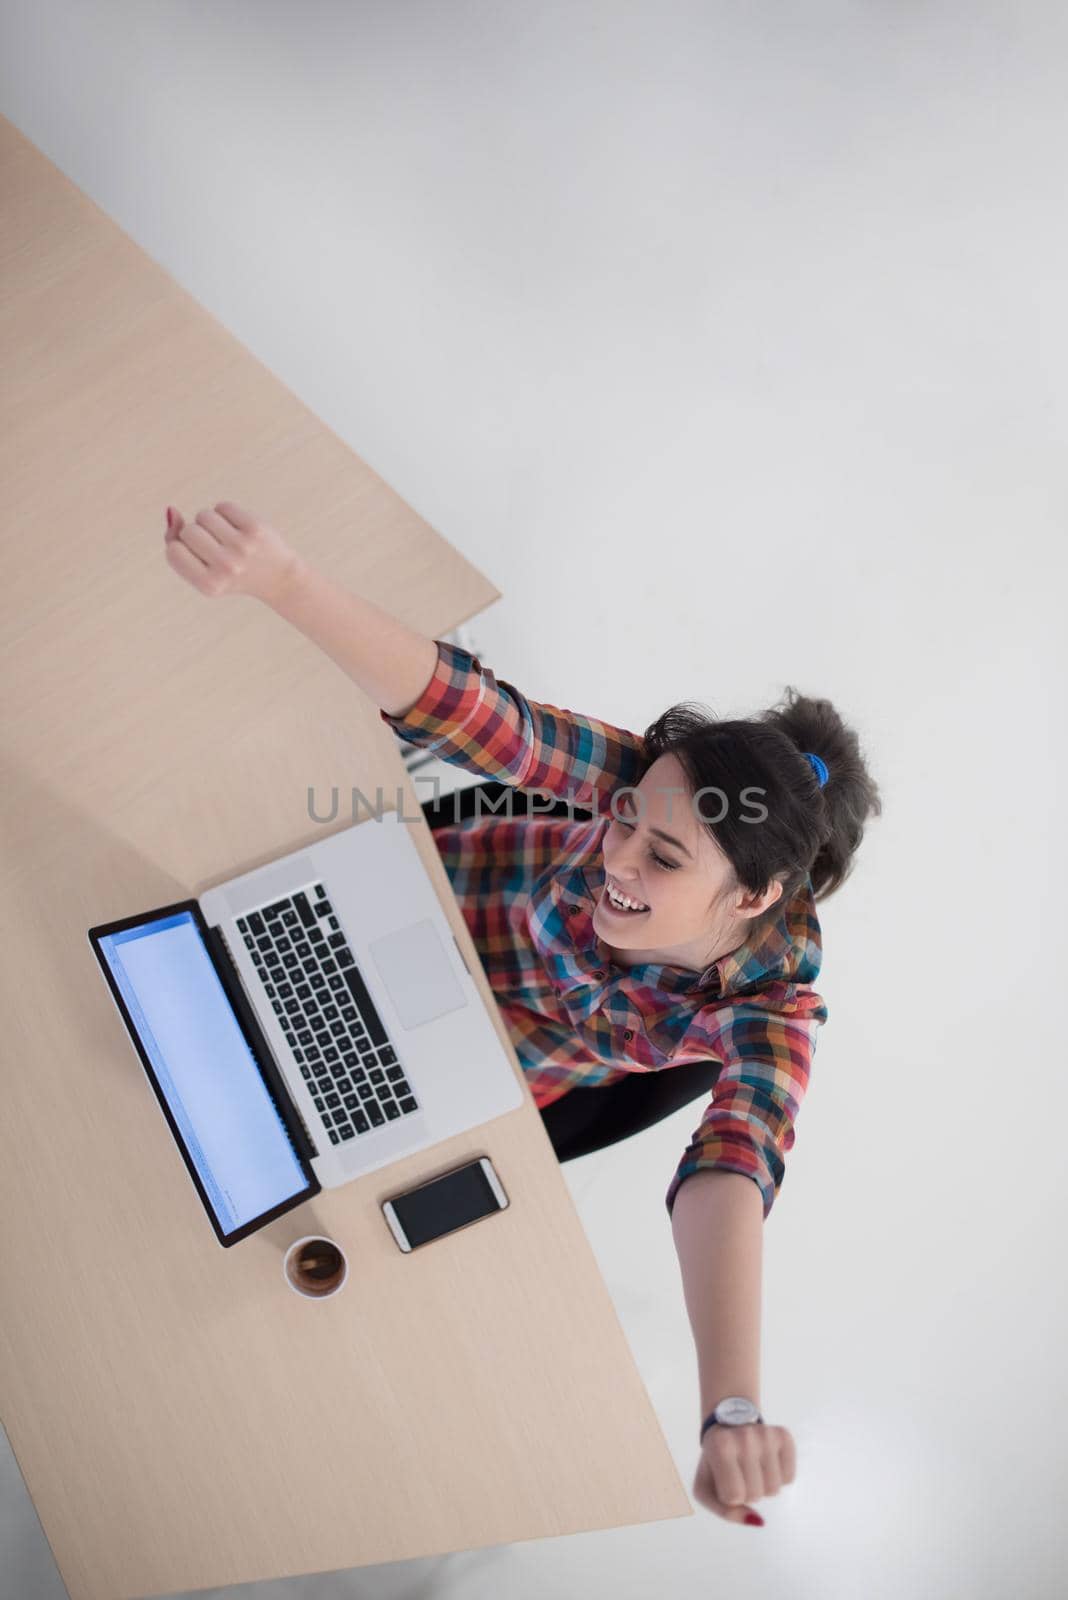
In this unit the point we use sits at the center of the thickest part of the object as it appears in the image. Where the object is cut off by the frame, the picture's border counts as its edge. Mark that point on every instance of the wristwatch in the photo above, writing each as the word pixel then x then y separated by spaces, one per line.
pixel 734 1412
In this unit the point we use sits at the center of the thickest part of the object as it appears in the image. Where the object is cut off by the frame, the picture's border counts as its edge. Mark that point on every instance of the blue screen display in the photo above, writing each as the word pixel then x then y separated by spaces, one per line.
pixel 229 1124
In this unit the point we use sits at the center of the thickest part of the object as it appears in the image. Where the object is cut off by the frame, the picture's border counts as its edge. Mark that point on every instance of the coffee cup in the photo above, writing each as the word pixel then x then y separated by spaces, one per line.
pixel 315 1267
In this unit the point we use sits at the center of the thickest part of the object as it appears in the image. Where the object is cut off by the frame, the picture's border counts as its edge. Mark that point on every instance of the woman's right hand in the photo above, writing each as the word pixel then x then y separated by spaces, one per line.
pixel 229 550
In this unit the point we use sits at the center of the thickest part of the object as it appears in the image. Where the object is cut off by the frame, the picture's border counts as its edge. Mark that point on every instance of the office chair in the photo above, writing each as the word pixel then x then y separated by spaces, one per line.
pixel 584 1119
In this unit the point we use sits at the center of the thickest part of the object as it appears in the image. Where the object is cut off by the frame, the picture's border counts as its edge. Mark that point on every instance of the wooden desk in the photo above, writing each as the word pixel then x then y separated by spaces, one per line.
pixel 181 1418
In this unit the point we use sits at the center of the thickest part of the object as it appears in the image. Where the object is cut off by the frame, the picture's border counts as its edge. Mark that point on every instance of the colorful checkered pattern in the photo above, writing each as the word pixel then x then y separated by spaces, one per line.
pixel 527 887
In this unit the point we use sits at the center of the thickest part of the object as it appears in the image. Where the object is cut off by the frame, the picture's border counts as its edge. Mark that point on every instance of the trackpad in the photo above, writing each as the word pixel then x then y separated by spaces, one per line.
pixel 415 969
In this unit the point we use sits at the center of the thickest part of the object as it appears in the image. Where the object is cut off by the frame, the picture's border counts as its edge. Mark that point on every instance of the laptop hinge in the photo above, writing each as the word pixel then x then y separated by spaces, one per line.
pixel 230 978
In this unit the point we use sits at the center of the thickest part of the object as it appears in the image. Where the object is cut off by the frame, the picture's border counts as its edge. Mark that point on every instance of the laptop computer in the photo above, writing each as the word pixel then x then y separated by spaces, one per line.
pixel 306 1023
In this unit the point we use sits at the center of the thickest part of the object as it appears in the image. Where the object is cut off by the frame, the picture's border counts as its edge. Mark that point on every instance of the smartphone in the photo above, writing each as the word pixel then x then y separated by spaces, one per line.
pixel 444 1204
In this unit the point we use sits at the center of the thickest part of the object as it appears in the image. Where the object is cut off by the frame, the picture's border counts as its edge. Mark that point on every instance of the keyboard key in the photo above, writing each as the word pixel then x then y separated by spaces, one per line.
pixel 375 1113
pixel 348 1131
pixel 255 923
pixel 335 1137
pixel 333 1100
pixel 336 941
pixel 276 909
pixel 394 1074
pixel 386 1055
pixel 365 1005
pixel 304 910
pixel 408 1105
pixel 392 1111
pixel 344 958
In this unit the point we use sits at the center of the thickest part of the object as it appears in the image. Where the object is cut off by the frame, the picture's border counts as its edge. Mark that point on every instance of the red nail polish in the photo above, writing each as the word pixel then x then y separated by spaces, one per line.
pixel 753 1520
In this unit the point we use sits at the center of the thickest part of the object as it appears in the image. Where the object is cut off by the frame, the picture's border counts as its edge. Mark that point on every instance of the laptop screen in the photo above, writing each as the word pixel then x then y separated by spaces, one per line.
pixel 226 1118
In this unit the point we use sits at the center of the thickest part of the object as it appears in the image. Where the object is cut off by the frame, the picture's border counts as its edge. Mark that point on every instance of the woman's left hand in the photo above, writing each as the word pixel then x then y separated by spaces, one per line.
pixel 741 1464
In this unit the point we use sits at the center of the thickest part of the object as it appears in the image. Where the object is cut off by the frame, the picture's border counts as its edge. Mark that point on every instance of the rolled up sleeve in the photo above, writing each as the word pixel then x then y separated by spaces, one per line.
pixel 748 1125
pixel 467 717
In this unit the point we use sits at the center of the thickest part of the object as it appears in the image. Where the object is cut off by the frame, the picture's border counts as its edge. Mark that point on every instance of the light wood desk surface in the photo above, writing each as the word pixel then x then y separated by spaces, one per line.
pixel 181 1418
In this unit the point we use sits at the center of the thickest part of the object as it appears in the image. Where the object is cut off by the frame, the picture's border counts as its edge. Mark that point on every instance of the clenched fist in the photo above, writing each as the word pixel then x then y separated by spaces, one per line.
pixel 740 1464
pixel 229 550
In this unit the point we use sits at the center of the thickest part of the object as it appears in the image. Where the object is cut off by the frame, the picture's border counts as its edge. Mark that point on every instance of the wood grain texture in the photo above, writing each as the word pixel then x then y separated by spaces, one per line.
pixel 181 1418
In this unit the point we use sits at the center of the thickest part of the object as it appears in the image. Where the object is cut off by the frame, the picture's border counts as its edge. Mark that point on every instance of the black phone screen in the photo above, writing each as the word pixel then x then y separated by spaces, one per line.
pixel 444 1204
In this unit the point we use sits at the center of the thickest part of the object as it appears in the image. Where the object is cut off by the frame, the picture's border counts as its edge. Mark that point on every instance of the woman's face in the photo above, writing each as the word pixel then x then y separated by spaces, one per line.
pixel 659 853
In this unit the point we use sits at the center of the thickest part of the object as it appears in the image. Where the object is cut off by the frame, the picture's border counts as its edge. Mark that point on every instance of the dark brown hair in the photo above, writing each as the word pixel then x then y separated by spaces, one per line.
pixel 807 830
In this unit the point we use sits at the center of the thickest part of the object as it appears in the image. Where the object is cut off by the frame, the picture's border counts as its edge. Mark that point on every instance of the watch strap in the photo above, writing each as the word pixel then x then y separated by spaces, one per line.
pixel 711 1421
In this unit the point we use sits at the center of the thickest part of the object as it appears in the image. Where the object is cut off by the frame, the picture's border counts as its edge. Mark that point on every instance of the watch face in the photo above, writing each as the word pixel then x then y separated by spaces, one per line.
pixel 736 1410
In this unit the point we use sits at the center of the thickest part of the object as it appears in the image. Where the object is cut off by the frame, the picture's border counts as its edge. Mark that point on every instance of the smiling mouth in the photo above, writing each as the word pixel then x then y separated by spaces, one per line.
pixel 621 911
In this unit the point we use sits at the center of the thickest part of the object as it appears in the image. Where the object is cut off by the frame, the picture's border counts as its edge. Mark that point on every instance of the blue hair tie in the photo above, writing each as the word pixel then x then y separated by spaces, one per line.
pixel 819 767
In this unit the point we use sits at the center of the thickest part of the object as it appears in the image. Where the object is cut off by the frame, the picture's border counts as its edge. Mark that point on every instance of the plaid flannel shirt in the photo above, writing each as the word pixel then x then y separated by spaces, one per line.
pixel 527 887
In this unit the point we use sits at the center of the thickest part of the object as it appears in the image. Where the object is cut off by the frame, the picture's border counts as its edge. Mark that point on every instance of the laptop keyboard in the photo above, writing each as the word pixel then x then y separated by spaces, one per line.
pixel 329 1019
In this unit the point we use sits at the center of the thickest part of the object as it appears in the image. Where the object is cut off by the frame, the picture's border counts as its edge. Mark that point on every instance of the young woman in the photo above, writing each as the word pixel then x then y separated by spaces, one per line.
pixel 679 925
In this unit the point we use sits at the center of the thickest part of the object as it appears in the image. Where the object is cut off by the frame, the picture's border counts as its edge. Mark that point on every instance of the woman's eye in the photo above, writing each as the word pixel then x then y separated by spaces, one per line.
pixel 668 866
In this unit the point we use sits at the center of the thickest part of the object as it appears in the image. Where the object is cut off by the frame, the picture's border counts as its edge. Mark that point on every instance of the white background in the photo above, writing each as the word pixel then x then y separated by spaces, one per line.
pixel 729 340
